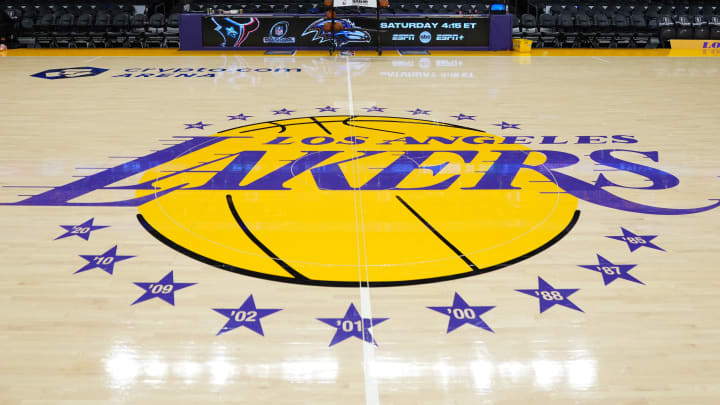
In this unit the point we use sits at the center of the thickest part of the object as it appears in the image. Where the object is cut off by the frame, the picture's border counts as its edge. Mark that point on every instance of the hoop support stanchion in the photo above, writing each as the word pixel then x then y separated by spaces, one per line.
pixel 377 20
pixel 332 27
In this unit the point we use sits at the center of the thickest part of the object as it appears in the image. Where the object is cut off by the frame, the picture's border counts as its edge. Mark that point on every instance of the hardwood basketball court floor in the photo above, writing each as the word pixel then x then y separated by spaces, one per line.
pixel 457 228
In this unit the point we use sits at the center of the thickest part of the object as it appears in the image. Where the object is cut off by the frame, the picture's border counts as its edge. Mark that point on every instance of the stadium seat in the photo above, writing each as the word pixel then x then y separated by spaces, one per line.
pixel 81 31
pixel 462 9
pixel 684 29
pixel 98 34
pixel 85 9
pixel 172 30
pixel 604 34
pixel 516 27
pixel 623 33
pixel 119 29
pixel 652 12
pixel 137 31
pixel 680 10
pixel 548 31
pixel 29 11
pixel 701 29
pixel 530 31
pixel 63 28
pixel 641 34
pixel 27 26
pixel 667 10
pixel 694 10
pixel 556 8
pixel 707 11
pixel 715 28
pixel 625 10
pixel 586 36
pixel 43 29
pixel 667 30
pixel 566 27
pixel 155 37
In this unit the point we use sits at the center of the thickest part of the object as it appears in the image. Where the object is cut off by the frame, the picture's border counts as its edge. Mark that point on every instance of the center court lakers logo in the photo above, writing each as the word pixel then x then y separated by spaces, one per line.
pixel 338 200
pixel 334 200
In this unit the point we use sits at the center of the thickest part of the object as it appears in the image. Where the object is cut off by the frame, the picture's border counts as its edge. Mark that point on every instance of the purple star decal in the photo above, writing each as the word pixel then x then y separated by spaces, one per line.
pixel 83 230
pixel 611 272
pixel 105 262
pixel 248 315
pixel 635 242
pixel 240 116
pixel 461 313
pixel 419 111
pixel 197 125
pixel 163 289
pixel 550 296
pixel 352 325
pixel 461 117
pixel 283 112
pixel 375 109
pixel 505 125
pixel 327 108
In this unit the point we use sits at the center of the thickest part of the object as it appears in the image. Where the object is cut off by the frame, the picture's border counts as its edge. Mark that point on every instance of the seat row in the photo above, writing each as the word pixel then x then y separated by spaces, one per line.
pixel 554 4
pixel 404 7
pixel 407 7
pixel 618 30
pixel 101 30
pixel 651 11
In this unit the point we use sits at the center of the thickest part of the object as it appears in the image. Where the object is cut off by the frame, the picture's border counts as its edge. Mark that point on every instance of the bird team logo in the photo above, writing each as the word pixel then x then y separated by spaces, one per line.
pixel 234 32
pixel 350 33
pixel 334 200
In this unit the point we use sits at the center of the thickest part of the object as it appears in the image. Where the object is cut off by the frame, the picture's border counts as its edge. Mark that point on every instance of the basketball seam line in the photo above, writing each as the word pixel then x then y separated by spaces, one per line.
pixel 259 244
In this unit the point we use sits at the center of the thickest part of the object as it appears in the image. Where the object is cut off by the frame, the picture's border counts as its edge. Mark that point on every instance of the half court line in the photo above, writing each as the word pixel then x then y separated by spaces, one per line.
pixel 372 396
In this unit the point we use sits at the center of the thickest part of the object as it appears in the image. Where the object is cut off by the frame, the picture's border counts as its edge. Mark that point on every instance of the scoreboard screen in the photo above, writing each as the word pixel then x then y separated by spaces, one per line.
pixel 238 31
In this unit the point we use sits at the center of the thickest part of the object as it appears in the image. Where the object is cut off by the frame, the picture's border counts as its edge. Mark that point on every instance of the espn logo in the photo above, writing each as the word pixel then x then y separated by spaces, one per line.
pixel 403 37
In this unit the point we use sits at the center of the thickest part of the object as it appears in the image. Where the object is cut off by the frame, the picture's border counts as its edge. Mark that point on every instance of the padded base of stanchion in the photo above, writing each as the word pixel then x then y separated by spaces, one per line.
pixel 413 52
pixel 280 52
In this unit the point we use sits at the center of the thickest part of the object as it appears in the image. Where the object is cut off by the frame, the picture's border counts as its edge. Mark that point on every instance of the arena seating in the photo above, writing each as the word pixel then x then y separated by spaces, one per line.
pixel 574 23
pixel 611 23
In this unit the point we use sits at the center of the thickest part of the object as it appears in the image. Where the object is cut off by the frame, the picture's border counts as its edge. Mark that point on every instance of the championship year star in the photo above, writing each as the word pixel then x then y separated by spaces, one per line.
pixel 461 313
pixel 550 296
pixel 352 325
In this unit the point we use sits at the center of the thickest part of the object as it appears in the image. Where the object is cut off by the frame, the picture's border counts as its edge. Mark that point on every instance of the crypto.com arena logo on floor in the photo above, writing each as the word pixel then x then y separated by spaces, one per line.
pixel 69 73
pixel 333 199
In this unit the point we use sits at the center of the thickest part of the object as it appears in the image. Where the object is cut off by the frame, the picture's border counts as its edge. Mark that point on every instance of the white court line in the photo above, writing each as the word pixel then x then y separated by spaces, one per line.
pixel 601 59
pixel 372 396
pixel 93 59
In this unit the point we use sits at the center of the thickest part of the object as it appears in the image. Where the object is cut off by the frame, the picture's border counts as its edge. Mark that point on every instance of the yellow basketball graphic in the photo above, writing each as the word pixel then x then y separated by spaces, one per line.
pixel 338 200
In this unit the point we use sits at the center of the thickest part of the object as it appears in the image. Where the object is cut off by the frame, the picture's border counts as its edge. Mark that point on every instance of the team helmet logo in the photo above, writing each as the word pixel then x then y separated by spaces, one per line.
pixel 233 32
pixel 349 32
